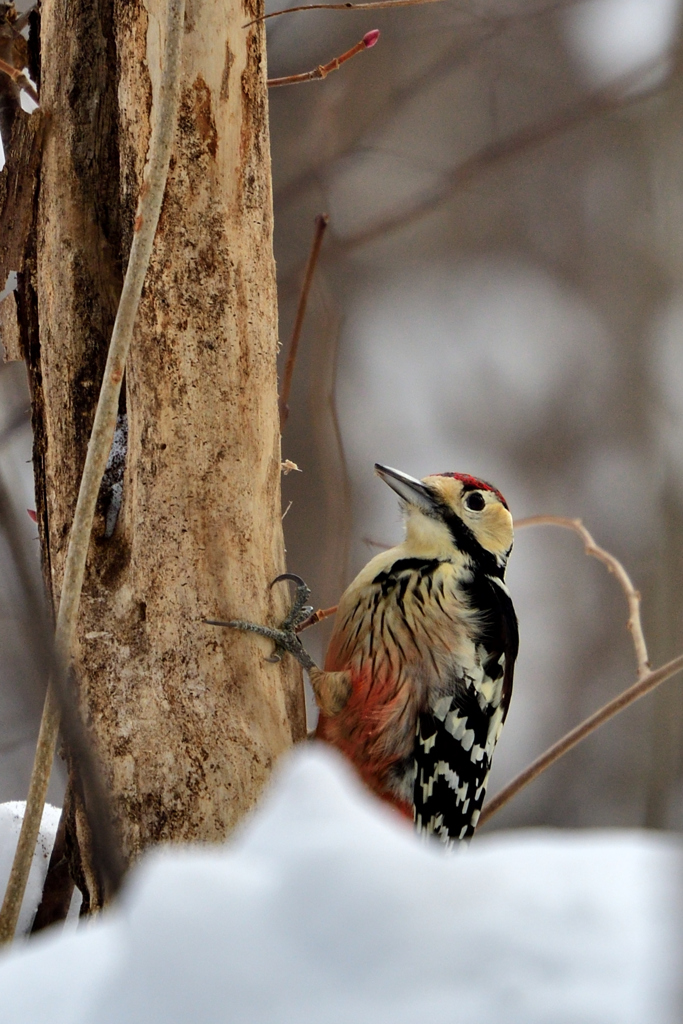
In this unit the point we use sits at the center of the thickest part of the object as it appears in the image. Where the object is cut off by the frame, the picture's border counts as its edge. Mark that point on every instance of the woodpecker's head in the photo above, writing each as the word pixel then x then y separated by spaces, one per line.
pixel 457 510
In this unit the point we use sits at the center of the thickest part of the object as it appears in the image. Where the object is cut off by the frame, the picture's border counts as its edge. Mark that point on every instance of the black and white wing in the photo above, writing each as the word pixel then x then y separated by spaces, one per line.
pixel 457 735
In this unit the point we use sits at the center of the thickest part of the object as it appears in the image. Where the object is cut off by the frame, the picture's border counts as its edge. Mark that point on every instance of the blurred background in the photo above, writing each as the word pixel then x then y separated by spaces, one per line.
pixel 500 292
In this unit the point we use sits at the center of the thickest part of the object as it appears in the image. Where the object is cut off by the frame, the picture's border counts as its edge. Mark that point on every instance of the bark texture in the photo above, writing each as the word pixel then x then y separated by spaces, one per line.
pixel 188 718
pixel 9 330
pixel 17 190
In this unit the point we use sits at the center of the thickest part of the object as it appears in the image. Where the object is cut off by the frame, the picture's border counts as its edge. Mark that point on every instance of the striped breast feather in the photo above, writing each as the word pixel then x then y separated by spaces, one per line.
pixel 408 614
pixel 454 746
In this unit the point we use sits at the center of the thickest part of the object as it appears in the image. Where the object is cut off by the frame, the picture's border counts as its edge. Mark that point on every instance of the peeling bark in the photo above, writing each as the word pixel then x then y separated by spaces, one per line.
pixel 18 180
pixel 10 337
pixel 188 719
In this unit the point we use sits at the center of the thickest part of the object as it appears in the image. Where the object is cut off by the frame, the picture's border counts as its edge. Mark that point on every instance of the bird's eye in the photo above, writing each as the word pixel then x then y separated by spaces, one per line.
pixel 475 501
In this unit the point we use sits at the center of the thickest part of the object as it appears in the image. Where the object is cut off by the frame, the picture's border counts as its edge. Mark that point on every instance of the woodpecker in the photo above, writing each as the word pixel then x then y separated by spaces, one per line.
pixel 418 674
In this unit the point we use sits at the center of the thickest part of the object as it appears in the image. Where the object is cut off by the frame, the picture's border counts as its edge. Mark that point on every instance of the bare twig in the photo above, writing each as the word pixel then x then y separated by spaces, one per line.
pixel 42 654
pixel 408 88
pixel 341 7
pixel 644 685
pixel 323 70
pixel 20 79
pixel 30 826
pixel 321 222
pixel 615 567
pixel 343 481
pixel 333 474
pixel 378 4
pixel 149 208
pixel 647 679
pixel 40 650
pixel 322 613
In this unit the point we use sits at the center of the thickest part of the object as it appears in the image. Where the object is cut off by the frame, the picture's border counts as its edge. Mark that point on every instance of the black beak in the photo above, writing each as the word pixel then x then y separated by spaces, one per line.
pixel 413 491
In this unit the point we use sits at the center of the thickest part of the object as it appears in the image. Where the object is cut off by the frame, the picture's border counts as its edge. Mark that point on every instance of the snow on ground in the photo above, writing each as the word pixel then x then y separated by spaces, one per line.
pixel 11 817
pixel 326 909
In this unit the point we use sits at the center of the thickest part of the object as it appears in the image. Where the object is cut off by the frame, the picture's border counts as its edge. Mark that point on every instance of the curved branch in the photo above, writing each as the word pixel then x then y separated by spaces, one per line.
pixel 572 738
pixel 647 679
pixel 149 208
pixel 615 567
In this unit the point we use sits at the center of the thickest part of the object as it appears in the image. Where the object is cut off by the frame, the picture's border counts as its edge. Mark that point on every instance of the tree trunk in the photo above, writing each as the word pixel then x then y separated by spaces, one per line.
pixel 188 718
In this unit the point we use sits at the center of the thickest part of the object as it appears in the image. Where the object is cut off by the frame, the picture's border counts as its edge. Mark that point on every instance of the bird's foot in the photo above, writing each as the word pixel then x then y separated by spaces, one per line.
pixel 301 609
pixel 284 638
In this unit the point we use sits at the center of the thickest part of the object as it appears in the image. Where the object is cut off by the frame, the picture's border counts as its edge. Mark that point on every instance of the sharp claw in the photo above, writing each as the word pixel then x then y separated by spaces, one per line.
pixel 284 638
pixel 300 610
pixel 289 576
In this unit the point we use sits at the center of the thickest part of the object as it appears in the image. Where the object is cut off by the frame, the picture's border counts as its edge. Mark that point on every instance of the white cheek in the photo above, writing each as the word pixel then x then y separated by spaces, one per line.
pixel 428 535
pixel 494 532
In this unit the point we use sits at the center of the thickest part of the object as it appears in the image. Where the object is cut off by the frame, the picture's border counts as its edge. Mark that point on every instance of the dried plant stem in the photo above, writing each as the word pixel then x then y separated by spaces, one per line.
pixel 322 613
pixel 334 472
pixel 20 79
pixel 341 7
pixel 42 655
pixel 149 208
pixel 30 826
pixel 647 679
pixel 323 70
pixel 615 567
pixel 572 738
pixel 378 4
pixel 321 222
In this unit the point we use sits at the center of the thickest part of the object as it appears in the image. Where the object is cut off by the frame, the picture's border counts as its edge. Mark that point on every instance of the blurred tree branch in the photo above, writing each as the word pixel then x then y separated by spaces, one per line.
pixel 443 64
pixel 626 92
pixel 321 222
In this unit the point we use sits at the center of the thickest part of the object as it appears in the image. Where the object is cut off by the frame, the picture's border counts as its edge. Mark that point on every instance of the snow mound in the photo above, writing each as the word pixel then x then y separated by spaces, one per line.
pixel 326 909
pixel 11 817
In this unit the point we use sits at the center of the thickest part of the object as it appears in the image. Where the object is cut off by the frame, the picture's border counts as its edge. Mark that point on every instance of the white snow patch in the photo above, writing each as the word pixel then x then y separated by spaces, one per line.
pixel 327 908
pixel 11 817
